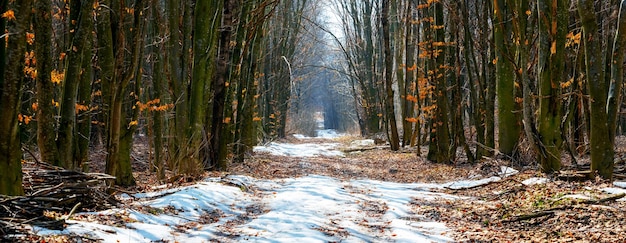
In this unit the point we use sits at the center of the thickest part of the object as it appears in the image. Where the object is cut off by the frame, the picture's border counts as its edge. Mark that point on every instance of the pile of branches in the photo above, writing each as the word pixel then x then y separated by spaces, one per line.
pixel 52 194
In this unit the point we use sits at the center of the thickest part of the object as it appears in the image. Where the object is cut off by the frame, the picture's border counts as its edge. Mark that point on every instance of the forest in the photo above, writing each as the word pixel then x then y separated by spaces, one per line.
pixel 195 85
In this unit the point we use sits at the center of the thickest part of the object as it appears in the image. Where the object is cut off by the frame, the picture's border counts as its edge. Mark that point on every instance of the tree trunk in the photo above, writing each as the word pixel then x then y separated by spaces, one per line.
pixel 73 72
pixel 10 98
pixel 553 26
pixel 46 110
pixel 180 96
pixel 83 116
pixel 508 120
pixel 118 148
pixel 392 126
pixel 602 151
pixel 204 42
pixel 440 146
pixel 614 101
pixel 220 78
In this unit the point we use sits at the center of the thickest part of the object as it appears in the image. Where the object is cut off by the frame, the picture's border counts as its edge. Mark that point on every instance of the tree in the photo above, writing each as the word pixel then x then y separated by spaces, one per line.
pixel 604 92
pixel 508 118
pixel 15 18
pixel 439 149
pixel 116 77
pixel 220 78
pixel 46 110
pixel 205 38
pixel 79 19
pixel 390 115
pixel 553 26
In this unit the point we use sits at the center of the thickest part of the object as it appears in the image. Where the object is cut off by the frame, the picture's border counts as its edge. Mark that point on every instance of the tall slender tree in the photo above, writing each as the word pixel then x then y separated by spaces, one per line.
pixel 553 26
pixel 508 109
pixel 390 115
pixel 603 93
pixel 12 59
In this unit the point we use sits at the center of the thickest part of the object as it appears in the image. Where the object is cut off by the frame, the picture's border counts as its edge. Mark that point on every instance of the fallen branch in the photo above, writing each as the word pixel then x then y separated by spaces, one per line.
pixel 552 211
pixel 350 150
pixel 603 200
pixel 53 189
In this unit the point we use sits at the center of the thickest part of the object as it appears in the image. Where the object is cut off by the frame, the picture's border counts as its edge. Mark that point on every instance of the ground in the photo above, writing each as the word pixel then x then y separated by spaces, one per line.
pixel 571 212
pixel 523 207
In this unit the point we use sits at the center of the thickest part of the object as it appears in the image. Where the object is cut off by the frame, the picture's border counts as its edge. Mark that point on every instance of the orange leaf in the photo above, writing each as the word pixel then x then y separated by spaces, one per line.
pixel 30 38
pixel 9 15
pixel 57 77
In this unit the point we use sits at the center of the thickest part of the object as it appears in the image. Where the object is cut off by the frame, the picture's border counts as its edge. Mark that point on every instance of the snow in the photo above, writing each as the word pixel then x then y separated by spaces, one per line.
pixel 328 134
pixel 621 184
pixel 465 184
pixel 325 133
pixel 362 143
pixel 535 180
pixel 300 150
pixel 307 209
pixel 615 190
pixel 301 137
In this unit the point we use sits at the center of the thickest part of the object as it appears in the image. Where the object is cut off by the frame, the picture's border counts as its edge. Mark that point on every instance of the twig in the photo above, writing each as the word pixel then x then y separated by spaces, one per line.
pixel 71 211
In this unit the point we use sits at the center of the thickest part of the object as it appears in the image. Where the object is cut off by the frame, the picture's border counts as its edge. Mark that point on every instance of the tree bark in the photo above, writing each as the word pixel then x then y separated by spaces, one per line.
pixel 602 151
pixel 46 110
pixel 10 98
pixel 392 125
pixel 65 138
pixel 204 42
pixel 83 116
pixel 508 118
pixel 221 77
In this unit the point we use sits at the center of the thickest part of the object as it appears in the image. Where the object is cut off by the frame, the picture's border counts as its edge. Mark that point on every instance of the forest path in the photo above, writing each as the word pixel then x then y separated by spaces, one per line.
pixel 310 191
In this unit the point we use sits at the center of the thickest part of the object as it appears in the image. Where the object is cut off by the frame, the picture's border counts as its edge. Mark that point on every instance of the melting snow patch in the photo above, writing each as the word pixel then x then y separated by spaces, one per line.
pixel 615 190
pixel 507 171
pixel 307 209
pixel 362 143
pixel 300 150
pixel 621 184
pixel 328 133
pixel 577 196
pixel 535 180
pixel 301 137
pixel 466 184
